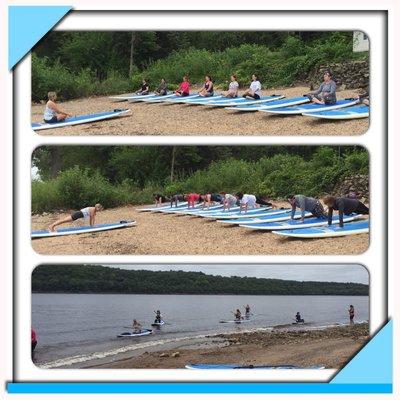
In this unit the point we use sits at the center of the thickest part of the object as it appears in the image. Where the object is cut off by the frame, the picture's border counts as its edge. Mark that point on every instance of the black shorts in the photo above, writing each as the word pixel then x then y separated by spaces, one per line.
pixel 184 94
pixel 76 215
pixel 51 121
pixel 255 96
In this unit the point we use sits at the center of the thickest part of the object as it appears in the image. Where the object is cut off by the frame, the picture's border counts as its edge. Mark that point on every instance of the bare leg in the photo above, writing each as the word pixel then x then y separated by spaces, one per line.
pixel 60 222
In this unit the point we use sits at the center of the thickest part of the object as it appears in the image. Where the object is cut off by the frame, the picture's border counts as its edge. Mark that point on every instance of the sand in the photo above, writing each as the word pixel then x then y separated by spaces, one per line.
pixel 178 119
pixel 170 234
pixel 330 347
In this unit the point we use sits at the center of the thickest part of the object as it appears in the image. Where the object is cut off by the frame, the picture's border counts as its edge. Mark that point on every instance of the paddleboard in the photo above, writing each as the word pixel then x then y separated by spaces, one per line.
pixel 162 208
pixel 343 113
pixel 239 101
pixel 131 97
pixel 144 332
pixel 234 321
pixel 243 216
pixel 237 366
pixel 353 228
pixel 201 100
pixel 292 101
pixel 81 119
pixel 238 214
pixel 255 218
pixel 153 99
pixel 312 107
pixel 82 229
pixel 180 99
pixel 296 224
pixel 158 323
pixel 269 218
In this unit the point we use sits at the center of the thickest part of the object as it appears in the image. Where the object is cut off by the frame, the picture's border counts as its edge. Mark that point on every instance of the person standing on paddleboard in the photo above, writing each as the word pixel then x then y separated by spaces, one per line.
pixel 247 309
pixel 255 89
pixel 184 87
pixel 326 93
pixel 345 206
pixel 208 88
pixel 52 113
pixel 233 88
pixel 351 314
pixel 238 315
pixel 85 213
pixel 308 204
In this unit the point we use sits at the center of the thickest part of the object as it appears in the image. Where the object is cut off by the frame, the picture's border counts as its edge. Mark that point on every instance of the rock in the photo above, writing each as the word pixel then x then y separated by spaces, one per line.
pixel 176 354
pixel 164 355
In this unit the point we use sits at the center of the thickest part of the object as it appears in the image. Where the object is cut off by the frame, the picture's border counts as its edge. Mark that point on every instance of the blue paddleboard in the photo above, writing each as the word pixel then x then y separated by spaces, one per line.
pixel 312 107
pixel 354 112
pixel 81 229
pixel 237 366
pixel 239 101
pixel 292 101
pixel 352 228
pixel 81 119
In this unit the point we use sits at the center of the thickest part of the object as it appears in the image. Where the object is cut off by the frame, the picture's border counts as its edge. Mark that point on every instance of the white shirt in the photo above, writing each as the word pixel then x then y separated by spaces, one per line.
pixel 248 199
pixel 86 212
pixel 255 86
pixel 49 113
pixel 233 86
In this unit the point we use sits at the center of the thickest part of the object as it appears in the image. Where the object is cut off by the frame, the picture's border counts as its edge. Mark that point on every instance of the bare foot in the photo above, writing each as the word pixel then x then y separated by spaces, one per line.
pixel 51 228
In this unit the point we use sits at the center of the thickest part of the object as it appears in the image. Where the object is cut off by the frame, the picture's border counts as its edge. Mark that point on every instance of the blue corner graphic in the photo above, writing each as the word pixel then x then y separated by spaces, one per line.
pixel 373 364
pixel 27 25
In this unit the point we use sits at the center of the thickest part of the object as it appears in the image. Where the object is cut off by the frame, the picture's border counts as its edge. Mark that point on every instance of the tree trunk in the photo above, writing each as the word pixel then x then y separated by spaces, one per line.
pixel 55 161
pixel 173 163
pixel 131 55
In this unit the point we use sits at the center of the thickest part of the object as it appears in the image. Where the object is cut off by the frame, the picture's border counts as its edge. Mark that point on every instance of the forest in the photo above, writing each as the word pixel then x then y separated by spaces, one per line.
pixel 100 279
pixel 68 177
pixel 83 64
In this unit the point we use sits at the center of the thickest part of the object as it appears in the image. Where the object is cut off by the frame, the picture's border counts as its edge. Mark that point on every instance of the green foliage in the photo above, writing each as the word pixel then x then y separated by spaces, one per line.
pixel 99 279
pixel 79 64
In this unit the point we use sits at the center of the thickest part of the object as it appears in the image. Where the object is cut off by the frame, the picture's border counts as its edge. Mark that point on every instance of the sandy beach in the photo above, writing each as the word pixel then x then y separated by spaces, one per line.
pixel 170 234
pixel 178 119
pixel 331 347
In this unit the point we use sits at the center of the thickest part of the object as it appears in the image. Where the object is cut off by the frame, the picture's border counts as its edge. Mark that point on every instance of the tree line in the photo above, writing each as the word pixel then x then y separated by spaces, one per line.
pixel 101 279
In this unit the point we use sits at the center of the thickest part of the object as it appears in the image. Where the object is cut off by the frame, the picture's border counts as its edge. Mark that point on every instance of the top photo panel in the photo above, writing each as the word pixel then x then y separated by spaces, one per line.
pixel 254 83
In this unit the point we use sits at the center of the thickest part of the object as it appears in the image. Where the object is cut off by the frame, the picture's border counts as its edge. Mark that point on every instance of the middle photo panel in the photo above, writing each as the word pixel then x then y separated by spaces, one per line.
pixel 200 200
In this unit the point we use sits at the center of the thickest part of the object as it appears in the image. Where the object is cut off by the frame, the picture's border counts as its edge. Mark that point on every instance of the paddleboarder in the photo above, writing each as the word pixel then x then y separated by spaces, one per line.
pixel 136 326
pixel 85 213
pixel 308 204
pixel 247 201
pixel 192 198
pixel 238 315
pixel 298 318
pixel 255 89
pixel 145 88
pixel 210 199
pixel 158 317
pixel 184 87
pixel 345 206
pixel 233 88
pixel 247 310
pixel 326 93
pixel 208 88
pixel 52 113
pixel 229 200
pixel 33 341
pixel 162 89
pixel 160 199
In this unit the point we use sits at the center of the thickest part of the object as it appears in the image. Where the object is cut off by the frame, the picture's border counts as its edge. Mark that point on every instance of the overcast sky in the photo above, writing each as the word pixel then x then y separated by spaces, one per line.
pixel 311 272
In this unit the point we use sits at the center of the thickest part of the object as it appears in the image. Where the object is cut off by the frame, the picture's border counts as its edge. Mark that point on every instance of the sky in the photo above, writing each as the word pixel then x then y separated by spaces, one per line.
pixel 300 272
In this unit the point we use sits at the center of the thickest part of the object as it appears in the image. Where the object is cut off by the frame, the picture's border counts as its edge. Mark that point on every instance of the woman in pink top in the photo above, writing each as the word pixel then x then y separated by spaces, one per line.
pixel 184 87
pixel 192 198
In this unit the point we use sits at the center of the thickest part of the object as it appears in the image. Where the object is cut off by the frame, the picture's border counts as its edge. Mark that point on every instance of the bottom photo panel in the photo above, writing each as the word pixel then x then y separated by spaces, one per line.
pixel 197 316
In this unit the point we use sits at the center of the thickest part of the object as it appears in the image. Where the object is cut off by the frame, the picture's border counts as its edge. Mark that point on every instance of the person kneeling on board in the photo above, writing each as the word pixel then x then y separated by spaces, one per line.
pixel 52 113
pixel 145 89
pixel 308 204
pixel 136 326
pixel 298 318
pixel 238 315
pixel 162 89
pixel 255 89
pixel 85 213
pixel 326 93
pixel 211 198
pixel 247 201
pixel 344 205
pixel 229 200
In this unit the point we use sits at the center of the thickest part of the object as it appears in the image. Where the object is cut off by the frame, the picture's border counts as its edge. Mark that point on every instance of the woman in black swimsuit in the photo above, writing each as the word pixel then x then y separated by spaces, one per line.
pixel 208 89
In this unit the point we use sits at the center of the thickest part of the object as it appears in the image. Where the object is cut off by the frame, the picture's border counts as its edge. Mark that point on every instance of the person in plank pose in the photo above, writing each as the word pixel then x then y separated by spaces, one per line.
pixel 160 199
pixel 233 88
pixel 229 200
pixel 176 198
pixel 162 89
pixel 145 89
pixel 308 204
pixel 184 87
pixel 211 198
pixel 247 201
pixel 326 93
pixel 192 198
pixel 255 89
pixel 344 205
pixel 208 88
pixel 85 213
pixel 52 113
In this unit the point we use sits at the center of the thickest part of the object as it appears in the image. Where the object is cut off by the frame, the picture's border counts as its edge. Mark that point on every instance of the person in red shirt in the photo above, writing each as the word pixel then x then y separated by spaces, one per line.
pixel 33 341
pixel 184 87
pixel 192 198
